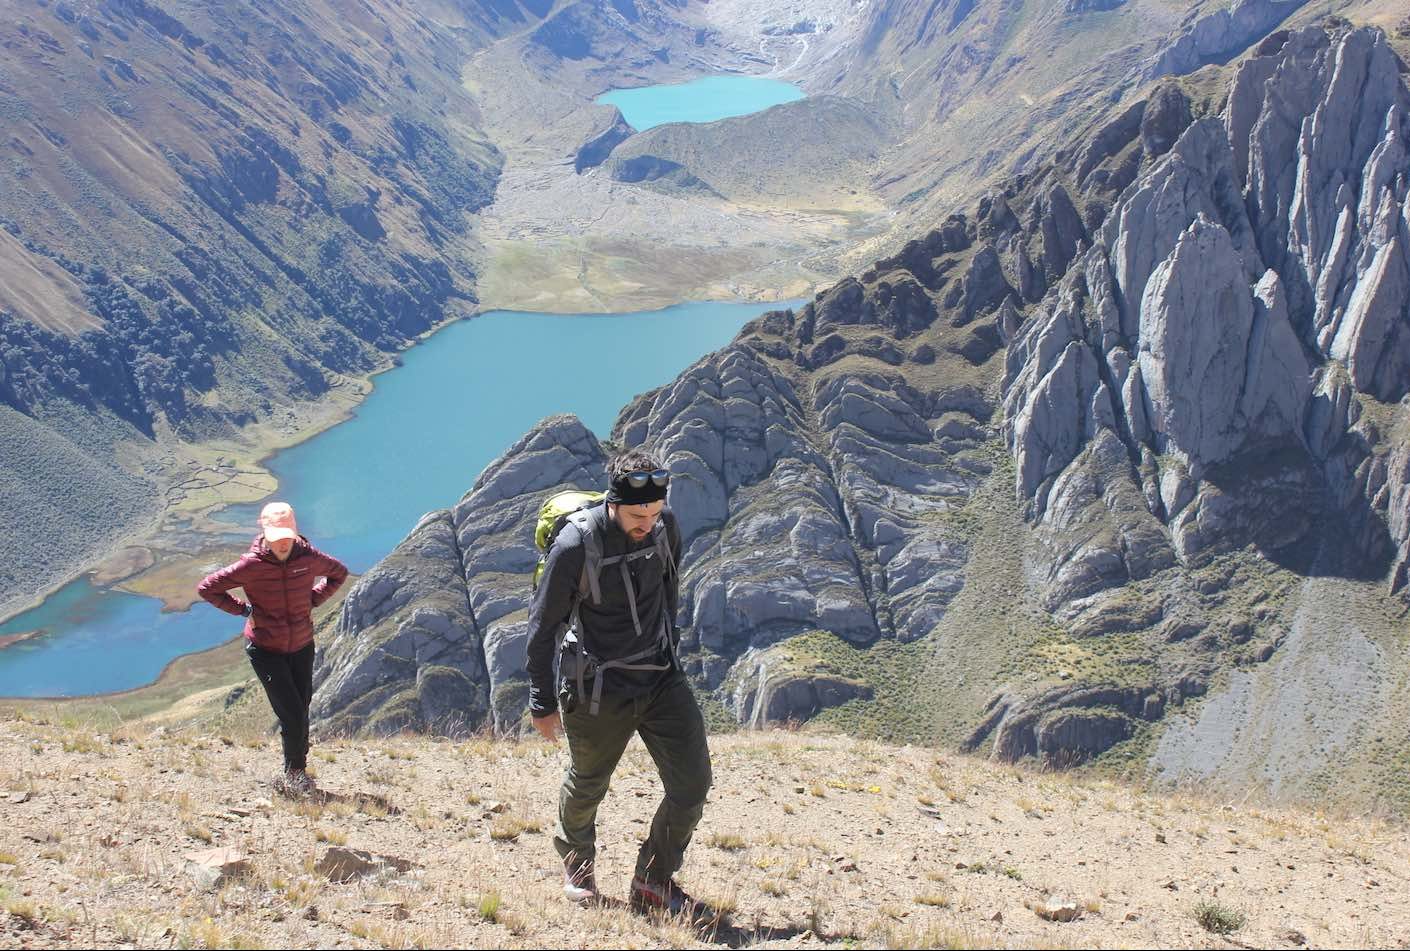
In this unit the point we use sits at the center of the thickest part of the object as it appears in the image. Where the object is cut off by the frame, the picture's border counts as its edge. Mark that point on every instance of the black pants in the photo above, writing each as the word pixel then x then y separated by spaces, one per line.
pixel 288 682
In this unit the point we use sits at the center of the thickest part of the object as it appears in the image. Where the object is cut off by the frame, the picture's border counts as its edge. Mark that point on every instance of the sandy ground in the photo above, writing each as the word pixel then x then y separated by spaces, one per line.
pixel 807 840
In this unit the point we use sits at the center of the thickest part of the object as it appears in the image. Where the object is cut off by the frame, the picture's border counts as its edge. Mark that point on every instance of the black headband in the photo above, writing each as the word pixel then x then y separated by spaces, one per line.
pixel 621 493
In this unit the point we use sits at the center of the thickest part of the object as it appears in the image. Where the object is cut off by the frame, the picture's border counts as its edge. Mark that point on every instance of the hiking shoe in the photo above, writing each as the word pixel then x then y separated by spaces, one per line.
pixel 666 897
pixel 579 883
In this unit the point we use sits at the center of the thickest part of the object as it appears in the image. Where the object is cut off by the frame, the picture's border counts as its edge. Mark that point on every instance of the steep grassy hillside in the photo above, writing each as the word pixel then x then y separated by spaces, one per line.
pixel 212 215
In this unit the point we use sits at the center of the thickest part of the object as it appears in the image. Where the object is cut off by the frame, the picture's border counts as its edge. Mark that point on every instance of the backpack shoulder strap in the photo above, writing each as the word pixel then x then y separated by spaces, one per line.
pixel 662 539
pixel 586 523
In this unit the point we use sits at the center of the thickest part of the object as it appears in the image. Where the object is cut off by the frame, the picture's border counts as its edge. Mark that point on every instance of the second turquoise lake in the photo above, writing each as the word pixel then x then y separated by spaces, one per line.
pixel 701 100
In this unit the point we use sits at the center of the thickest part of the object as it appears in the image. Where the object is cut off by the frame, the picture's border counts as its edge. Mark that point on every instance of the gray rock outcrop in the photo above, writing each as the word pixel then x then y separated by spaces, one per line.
pixel 1218 371
pixel 1324 124
pixel 767 687
pixel 1194 334
pixel 1221 366
pixel 1217 36
pixel 811 480
pixel 406 652
pixel 433 637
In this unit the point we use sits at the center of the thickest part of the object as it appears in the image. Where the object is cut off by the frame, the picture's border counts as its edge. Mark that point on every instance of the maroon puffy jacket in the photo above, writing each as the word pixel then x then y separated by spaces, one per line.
pixel 283 593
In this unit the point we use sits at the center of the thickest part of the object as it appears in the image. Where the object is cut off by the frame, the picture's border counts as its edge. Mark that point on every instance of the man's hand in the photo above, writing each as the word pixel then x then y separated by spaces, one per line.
pixel 550 727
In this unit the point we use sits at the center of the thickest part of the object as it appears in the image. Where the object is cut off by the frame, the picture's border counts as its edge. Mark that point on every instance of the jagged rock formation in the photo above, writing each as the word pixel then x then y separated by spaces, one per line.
pixel 1065 725
pixel 406 654
pixel 871 411
pixel 813 407
pixel 1208 378
pixel 1217 36
pixel 1233 279
pixel 439 623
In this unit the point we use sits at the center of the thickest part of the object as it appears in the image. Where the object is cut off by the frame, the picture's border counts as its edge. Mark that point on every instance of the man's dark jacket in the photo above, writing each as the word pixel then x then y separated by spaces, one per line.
pixel 608 632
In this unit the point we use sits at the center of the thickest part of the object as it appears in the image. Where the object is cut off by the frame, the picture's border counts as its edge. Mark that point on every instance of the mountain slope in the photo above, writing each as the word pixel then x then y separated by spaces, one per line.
pixel 221 210
pixel 807 841
pixel 1236 331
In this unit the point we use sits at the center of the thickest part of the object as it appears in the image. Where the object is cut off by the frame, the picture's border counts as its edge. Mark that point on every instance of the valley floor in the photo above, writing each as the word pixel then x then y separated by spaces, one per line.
pixel 807 840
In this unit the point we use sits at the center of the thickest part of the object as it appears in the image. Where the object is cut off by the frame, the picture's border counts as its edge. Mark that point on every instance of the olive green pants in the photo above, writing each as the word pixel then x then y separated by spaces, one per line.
pixel 673 730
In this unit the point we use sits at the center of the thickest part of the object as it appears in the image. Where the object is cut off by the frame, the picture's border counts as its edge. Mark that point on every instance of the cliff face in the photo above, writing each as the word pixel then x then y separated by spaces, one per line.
pixel 432 638
pixel 1241 304
pixel 1217 381
pixel 1112 443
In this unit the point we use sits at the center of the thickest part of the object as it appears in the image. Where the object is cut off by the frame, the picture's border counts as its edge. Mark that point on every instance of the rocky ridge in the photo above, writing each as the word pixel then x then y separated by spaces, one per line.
pixel 870 409
pixel 1173 417
pixel 867 461
pixel 1218 35
pixel 1213 381
pixel 1243 300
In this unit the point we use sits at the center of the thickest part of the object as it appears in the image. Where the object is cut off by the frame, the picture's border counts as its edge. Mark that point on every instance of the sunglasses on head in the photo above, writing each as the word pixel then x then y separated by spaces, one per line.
pixel 638 480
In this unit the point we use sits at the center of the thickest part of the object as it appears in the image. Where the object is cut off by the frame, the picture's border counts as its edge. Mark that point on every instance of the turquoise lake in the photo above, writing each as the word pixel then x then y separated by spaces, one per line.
pixel 101 641
pixel 701 100
pixel 431 425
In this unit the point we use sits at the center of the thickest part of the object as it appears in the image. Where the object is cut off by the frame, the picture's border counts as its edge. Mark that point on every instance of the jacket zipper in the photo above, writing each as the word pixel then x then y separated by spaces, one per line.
pixel 288 624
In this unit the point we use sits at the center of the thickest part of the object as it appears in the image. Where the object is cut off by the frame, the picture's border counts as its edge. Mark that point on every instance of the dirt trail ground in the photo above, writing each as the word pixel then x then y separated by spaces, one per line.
pixel 807 840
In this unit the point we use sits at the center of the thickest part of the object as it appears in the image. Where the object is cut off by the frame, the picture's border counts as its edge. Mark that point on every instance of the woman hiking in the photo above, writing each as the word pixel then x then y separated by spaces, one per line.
pixel 280 574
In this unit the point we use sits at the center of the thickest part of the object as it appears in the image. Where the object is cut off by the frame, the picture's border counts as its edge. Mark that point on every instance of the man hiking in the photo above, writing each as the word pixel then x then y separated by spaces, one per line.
pixel 619 675
pixel 280 576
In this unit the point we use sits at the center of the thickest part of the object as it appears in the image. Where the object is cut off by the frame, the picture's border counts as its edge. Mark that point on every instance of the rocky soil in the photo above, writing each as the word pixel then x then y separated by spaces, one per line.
pixel 172 837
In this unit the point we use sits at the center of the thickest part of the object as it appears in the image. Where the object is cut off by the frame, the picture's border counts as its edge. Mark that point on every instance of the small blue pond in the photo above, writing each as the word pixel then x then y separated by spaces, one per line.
pixel 701 100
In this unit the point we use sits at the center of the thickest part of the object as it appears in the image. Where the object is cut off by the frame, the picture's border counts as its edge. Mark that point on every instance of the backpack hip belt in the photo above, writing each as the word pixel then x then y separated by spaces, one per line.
pixel 593 563
pixel 587 665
